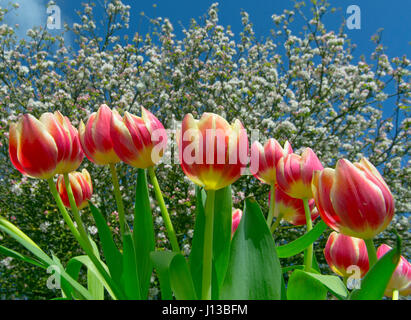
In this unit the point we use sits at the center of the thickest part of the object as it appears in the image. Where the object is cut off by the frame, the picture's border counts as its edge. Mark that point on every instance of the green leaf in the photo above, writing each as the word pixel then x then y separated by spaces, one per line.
pixel 24 240
pixel 254 271
pixel 161 261
pixel 143 233
pixel 30 245
pixel 174 274
pixel 129 277
pixel 298 245
pixel 221 239
pixel 73 269
pixel 302 286
pixel 377 278
pixel 332 283
pixel 14 254
pixel 94 283
pixel 180 279
pixel 195 260
pixel 111 253
pixel 294 267
pixel 66 278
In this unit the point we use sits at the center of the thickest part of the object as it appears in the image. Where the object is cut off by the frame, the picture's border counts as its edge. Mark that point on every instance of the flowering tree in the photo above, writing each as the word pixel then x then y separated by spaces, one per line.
pixel 306 88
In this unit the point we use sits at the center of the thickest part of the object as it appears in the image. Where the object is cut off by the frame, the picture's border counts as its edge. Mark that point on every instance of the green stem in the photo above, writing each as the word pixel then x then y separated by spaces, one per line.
pixel 164 212
pixel 372 253
pixel 395 294
pixel 75 211
pixel 119 199
pixel 309 253
pixel 208 246
pixel 276 223
pixel 80 240
pixel 272 206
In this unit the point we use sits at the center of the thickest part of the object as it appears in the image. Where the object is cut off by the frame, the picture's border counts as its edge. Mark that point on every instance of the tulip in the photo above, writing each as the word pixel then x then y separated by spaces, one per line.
pixel 212 152
pixel 95 137
pixel 342 253
pixel 81 187
pixel 41 148
pixel 138 141
pixel 264 159
pixel 353 199
pixel 400 281
pixel 236 216
pixel 294 173
pixel 292 209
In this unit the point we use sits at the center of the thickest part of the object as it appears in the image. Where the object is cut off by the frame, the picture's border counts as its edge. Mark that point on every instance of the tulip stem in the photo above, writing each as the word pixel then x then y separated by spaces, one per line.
pixel 116 290
pixel 372 253
pixel 395 294
pixel 276 223
pixel 308 257
pixel 119 199
pixel 164 212
pixel 75 211
pixel 208 246
pixel 272 206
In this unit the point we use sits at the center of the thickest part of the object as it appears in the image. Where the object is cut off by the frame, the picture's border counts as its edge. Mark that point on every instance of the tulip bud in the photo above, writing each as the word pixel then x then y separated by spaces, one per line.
pixel 138 141
pixel 95 137
pixel 81 186
pixel 294 173
pixel 344 253
pixel 41 148
pixel 292 209
pixel 401 278
pixel 237 214
pixel 264 159
pixel 353 199
pixel 212 152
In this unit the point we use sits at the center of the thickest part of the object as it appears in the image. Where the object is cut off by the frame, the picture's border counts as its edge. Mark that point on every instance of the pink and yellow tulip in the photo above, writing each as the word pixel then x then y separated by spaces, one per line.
pixel 138 141
pixel 42 148
pixel 294 173
pixel 264 159
pixel 353 199
pixel 95 137
pixel 342 252
pixel 81 186
pixel 237 214
pixel 401 278
pixel 292 209
pixel 212 152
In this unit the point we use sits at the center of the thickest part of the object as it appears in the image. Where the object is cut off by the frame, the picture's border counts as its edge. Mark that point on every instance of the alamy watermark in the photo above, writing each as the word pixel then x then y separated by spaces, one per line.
pixel 354 20
pixel 53 17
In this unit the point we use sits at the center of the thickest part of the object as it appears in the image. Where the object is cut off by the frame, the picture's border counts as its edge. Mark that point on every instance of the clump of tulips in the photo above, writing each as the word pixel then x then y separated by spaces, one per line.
pixel 228 245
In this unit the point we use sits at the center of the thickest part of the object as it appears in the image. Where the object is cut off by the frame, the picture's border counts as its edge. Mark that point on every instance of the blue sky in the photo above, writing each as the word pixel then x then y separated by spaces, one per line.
pixel 393 16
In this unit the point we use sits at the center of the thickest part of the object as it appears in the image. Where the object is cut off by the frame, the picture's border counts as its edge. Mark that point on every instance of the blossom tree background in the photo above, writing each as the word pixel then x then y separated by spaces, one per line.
pixel 305 86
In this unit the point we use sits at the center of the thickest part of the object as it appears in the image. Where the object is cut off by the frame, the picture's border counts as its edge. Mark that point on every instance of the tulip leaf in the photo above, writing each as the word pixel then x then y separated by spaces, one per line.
pixel 254 271
pixel 73 269
pixel 161 261
pixel 377 278
pixel 143 232
pixel 181 280
pixel 129 278
pixel 94 279
pixel 332 283
pixel 111 253
pixel 174 275
pixel 14 254
pixel 298 245
pixel 221 239
pixel 302 286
